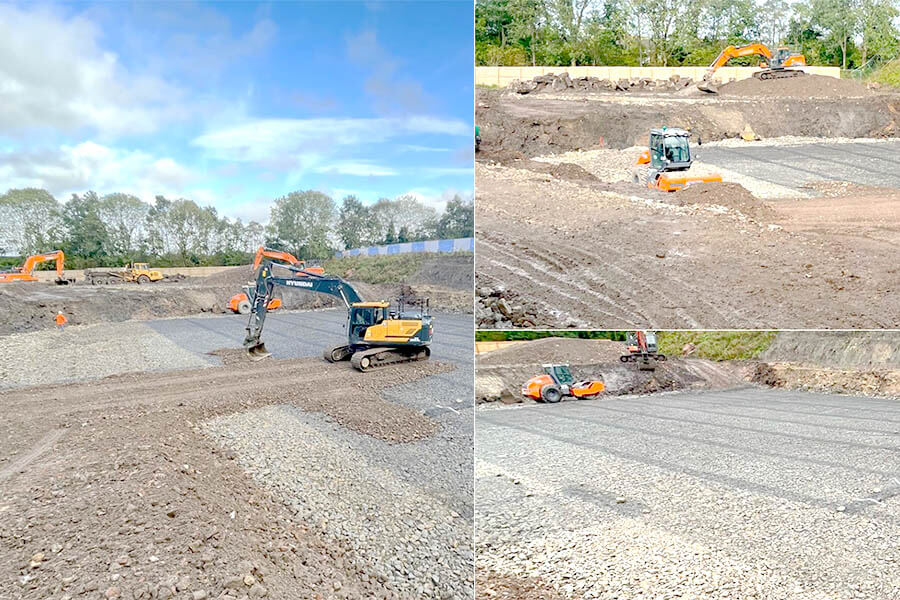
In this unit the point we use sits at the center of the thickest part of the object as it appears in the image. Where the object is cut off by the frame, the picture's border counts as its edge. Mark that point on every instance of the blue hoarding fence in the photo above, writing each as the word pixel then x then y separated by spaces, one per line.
pixel 457 245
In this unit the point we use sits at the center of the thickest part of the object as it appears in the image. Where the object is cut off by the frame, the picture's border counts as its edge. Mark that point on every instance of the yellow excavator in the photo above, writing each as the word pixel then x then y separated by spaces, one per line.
pixel 377 334
pixel 777 67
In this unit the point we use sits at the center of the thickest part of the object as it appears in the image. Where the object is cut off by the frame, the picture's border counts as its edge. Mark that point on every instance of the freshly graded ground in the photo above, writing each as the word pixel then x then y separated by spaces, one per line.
pixel 743 493
pixel 111 488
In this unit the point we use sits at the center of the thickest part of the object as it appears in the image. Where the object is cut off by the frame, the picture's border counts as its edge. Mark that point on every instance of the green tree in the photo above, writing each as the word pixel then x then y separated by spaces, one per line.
pixel 458 220
pixel 354 223
pixel 86 234
pixel 125 217
pixel 30 221
pixel 838 20
pixel 302 223
pixel 879 35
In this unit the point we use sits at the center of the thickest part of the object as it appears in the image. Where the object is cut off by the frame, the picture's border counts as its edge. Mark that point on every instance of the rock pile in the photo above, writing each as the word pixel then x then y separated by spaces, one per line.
pixel 562 82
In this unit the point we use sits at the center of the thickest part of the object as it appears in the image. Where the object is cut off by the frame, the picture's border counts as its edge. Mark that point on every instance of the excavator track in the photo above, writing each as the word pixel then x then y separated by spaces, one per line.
pixel 337 353
pixel 374 358
pixel 779 74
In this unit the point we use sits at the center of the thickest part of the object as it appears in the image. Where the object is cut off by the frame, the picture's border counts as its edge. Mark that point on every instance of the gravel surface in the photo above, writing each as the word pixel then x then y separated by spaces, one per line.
pixel 797 165
pixel 745 493
pixel 90 352
pixel 359 488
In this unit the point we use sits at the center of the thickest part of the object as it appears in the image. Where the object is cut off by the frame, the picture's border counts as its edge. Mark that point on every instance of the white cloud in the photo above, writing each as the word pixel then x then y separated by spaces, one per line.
pixel 438 199
pixel 267 139
pixel 415 148
pixel 57 77
pixel 357 169
pixel 444 171
pixel 92 166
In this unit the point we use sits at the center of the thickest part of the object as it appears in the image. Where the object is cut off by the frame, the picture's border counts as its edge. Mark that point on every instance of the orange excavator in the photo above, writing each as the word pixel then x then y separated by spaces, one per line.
pixel 240 303
pixel 26 271
pixel 777 67
pixel 661 167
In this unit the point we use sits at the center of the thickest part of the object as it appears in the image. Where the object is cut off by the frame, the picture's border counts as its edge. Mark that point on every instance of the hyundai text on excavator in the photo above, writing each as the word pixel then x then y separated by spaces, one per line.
pixel 776 68
pixel 26 271
pixel 642 348
pixel 240 303
pixel 669 152
pixel 376 335
pixel 556 383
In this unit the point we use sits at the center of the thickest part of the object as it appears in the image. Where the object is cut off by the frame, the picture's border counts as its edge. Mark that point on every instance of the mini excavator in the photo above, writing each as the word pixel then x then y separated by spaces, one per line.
pixel 776 68
pixel 669 152
pixel 642 348
pixel 377 335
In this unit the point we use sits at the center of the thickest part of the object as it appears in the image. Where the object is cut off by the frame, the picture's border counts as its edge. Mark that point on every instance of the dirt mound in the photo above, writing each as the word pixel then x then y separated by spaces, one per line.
pixel 840 349
pixel 807 86
pixel 536 125
pixel 454 271
pixel 729 195
pixel 867 382
pixel 555 350
pixel 568 171
pixel 234 277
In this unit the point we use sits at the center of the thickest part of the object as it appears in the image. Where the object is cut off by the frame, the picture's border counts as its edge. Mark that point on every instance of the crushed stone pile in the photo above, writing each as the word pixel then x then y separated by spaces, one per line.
pixel 807 86
pixel 555 350
pixel 562 82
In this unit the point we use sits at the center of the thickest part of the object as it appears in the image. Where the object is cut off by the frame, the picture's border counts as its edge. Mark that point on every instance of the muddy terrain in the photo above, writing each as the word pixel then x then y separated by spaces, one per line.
pixel 444 280
pixel 801 234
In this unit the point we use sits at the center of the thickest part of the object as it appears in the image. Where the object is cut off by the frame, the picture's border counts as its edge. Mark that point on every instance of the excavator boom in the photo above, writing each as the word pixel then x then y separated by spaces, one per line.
pixel 261 294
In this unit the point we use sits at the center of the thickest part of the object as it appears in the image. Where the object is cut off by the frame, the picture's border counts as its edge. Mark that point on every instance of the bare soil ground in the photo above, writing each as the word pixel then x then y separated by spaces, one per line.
pixel 33 306
pixel 565 239
pixel 111 490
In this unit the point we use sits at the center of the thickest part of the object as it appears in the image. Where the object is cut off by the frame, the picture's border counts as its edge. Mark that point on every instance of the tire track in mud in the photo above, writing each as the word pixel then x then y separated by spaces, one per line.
pixel 550 261
pixel 21 463
pixel 563 282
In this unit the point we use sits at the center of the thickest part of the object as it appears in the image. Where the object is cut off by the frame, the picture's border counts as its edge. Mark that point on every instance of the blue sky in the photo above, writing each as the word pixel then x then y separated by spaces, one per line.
pixel 235 104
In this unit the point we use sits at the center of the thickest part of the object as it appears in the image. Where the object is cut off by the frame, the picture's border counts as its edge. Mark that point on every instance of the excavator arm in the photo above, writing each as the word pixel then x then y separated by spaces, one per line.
pixel 732 52
pixel 261 294
pixel 287 257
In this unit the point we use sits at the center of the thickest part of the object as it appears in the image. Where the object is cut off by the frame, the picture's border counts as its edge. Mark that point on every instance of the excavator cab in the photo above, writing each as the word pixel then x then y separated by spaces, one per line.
pixel 670 150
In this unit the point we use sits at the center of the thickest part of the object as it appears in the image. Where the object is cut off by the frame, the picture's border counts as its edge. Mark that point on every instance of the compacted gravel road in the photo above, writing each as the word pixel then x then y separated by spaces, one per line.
pixel 745 493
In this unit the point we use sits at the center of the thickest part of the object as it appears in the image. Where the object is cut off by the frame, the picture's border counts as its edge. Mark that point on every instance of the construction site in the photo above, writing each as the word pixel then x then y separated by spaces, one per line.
pixel 147 454
pixel 778 209
pixel 772 474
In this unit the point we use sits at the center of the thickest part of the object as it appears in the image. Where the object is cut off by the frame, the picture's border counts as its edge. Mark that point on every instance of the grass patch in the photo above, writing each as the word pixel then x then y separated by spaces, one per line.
pixel 396 268
pixel 887 74
pixel 717 345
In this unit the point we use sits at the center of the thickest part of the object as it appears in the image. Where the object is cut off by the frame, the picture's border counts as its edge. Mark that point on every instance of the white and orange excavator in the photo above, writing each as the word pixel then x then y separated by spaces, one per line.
pixel 777 67
pixel 240 303
pixel 26 271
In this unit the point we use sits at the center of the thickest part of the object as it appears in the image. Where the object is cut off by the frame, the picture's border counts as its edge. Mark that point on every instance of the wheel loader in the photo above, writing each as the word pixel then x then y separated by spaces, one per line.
pixel 777 67
pixel 669 154
pixel 377 333
pixel 643 349
pixel 557 383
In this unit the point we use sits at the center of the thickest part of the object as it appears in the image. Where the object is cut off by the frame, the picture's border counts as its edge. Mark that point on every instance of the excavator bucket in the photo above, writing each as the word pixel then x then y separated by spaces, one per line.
pixel 708 86
pixel 258 351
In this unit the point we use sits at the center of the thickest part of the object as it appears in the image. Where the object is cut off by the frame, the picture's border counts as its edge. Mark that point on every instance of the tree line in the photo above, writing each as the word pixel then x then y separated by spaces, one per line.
pixel 95 230
pixel 845 33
